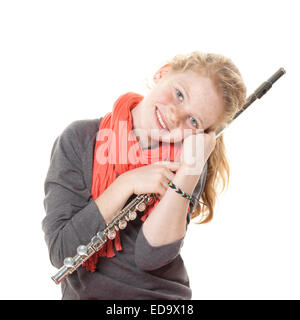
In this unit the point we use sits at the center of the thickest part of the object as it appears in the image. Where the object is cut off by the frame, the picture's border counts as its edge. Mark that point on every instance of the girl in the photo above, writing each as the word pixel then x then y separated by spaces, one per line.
pixel 98 166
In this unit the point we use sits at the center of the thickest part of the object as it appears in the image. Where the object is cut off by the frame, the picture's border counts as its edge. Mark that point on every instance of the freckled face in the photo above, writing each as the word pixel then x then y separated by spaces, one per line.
pixel 179 101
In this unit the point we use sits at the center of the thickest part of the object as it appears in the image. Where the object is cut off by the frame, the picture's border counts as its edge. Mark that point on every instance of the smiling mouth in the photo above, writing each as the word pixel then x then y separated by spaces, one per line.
pixel 161 124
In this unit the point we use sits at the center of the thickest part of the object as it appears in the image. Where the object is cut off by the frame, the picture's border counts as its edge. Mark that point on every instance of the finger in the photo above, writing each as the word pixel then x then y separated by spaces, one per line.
pixel 213 136
pixel 211 133
pixel 172 165
pixel 199 131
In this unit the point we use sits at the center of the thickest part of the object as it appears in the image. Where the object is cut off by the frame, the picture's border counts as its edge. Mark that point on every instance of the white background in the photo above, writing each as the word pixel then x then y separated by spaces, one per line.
pixel 62 61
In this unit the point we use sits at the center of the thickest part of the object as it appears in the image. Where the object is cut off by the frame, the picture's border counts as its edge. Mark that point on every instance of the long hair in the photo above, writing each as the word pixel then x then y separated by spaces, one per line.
pixel 229 83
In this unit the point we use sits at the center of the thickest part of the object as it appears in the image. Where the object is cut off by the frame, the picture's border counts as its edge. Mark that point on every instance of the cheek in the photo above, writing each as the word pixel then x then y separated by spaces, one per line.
pixel 177 135
pixel 165 98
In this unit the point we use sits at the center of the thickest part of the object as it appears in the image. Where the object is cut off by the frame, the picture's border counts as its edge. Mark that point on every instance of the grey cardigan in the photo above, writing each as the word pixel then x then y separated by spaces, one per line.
pixel 138 272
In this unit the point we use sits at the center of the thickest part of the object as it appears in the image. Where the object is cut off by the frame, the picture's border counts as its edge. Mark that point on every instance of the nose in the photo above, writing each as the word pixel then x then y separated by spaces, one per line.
pixel 175 116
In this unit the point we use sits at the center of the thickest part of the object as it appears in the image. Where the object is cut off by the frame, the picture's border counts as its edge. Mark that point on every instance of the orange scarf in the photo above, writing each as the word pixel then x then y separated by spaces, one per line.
pixel 105 174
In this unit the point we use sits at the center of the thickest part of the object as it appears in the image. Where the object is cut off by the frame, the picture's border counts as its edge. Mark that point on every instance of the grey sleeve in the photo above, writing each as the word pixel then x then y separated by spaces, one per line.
pixel 148 257
pixel 72 216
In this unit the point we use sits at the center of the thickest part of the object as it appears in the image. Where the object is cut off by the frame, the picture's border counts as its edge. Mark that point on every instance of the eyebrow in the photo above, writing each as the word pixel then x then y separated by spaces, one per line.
pixel 188 96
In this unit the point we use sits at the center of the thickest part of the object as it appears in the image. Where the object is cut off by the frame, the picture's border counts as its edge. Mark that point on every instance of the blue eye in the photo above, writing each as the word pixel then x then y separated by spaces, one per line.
pixel 195 122
pixel 179 93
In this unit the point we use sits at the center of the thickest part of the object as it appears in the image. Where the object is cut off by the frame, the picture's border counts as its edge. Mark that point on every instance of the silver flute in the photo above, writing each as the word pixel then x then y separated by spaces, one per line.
pixel 84 252
pixel 257 94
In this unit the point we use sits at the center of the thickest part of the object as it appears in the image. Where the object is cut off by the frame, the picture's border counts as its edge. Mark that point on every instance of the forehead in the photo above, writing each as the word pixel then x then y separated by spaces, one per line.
pixel 199 87
pixel 202 96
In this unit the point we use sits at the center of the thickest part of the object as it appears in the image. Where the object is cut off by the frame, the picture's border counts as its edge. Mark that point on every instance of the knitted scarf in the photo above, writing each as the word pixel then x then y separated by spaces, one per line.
pixel 105 172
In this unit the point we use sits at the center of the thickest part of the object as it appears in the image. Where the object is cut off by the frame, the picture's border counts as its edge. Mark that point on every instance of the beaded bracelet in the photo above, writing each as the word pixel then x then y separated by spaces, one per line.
pixel 184 194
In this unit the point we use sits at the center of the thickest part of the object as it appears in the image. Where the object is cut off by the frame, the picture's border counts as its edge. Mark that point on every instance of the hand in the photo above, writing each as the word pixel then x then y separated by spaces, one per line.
pixel 152 178
pixel 197 149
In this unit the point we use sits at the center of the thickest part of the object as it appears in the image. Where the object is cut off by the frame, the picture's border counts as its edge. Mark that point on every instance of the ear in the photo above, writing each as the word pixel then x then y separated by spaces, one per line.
pixel 161 72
